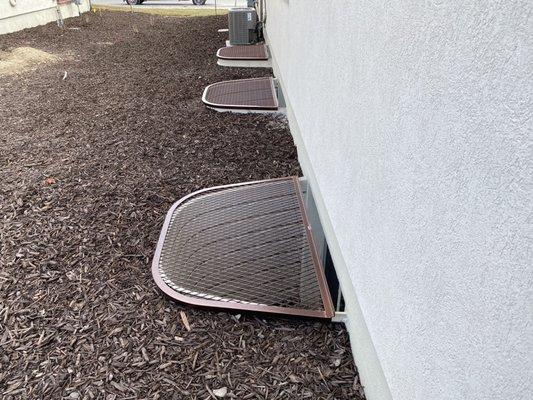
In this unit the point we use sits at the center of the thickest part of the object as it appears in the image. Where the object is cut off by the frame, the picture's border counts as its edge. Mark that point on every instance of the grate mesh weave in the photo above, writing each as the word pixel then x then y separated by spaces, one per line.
pixel 246 244
pixel 257 93
pixel 253 52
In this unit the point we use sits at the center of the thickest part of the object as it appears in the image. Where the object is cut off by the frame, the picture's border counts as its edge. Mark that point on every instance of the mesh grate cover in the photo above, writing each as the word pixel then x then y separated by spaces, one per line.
pixel 244 246
pixel 254 52
pixel 257 93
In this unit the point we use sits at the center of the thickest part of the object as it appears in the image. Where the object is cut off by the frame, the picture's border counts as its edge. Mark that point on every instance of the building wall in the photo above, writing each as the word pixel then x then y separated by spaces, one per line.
pixel 413 126
pixel 29 13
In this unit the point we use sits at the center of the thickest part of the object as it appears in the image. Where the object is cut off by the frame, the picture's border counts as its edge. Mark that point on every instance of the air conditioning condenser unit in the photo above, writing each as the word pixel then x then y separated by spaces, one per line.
pixel 242 24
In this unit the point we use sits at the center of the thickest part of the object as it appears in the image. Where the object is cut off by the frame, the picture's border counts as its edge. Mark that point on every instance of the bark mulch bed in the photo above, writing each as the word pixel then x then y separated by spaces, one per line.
pixel 90 161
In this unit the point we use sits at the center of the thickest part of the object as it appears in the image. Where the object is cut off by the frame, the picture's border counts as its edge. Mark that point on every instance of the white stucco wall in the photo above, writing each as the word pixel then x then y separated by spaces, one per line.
pixel 413 121
pixel 30 13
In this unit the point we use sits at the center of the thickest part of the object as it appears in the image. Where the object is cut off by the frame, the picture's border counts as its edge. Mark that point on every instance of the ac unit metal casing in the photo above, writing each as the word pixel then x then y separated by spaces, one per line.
pixel 242 24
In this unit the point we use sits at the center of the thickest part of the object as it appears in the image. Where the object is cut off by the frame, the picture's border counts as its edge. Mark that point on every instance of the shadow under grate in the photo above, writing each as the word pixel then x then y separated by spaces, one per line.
pixel 245 246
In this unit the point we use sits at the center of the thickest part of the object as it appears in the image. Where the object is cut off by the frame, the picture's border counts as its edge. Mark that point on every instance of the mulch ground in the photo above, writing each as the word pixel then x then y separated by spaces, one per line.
pixel 89 165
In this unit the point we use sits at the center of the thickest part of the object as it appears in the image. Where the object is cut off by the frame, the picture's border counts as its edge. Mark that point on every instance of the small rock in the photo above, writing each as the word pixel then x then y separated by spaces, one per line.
pixel 294 379
pixel 222 392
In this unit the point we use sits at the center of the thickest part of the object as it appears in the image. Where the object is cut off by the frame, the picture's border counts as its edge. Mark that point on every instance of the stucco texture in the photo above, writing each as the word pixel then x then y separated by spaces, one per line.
pixel 416 117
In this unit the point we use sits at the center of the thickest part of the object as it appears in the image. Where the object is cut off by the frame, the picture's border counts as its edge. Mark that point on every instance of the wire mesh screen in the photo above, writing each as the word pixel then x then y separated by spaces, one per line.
pixel 257 93
pixel 246 244
pixel 256 52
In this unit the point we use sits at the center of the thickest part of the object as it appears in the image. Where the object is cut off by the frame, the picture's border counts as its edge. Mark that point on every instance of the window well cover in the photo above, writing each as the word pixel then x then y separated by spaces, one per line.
pixel 245 246
pixel 254 52
pixel 255 93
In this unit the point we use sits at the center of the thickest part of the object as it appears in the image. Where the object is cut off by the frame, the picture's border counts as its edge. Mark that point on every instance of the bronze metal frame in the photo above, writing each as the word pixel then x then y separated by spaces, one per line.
pixel 209 103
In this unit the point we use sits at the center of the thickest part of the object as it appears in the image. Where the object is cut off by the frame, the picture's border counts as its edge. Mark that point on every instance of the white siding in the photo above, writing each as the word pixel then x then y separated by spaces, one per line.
pixel 29 13
pixel 413 119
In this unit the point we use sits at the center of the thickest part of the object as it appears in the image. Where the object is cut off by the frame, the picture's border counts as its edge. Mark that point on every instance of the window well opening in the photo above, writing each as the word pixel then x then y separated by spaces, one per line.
pixel 322 247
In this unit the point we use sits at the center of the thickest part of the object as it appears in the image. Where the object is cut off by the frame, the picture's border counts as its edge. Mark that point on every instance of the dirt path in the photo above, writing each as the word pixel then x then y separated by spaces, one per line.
pixel 89 166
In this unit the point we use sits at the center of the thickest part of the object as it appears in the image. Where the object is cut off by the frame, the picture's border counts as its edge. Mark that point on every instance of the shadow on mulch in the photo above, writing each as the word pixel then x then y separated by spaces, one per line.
pixel 90 161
